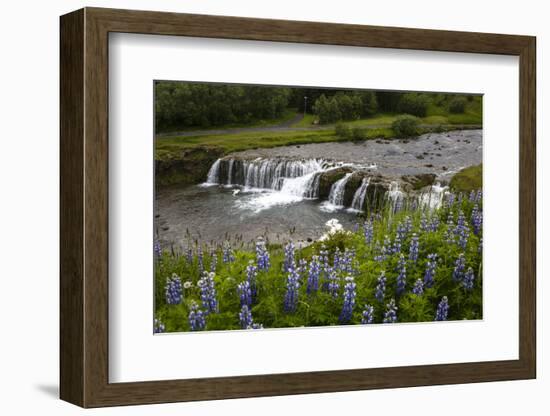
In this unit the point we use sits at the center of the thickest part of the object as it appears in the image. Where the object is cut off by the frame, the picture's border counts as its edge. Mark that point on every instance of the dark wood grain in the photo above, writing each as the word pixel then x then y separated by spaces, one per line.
pixel 72 368
pixel 84 207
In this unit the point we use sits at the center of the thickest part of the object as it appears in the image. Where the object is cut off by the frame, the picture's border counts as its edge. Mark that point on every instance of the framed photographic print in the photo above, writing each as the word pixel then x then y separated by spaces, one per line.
pixel 257 207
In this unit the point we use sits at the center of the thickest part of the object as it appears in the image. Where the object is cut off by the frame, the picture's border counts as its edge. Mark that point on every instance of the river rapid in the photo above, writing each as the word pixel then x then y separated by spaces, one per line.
pixel 280 201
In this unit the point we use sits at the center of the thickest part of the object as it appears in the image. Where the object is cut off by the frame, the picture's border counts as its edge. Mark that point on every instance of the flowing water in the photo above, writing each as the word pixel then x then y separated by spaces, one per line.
pixel 359 197
pixel 274 192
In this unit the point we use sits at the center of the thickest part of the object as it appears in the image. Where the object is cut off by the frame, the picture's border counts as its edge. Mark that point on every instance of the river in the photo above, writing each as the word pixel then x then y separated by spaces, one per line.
pixel 287 208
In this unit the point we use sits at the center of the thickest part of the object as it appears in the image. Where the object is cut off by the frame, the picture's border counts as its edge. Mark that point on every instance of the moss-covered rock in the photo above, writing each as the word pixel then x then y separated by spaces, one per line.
pixel 327 179
pixel 468 179
pixel 419 181
pixel 189 167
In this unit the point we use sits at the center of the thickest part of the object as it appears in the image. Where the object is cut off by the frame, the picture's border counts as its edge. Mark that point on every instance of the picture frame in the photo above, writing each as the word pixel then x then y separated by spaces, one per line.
pixel 84 216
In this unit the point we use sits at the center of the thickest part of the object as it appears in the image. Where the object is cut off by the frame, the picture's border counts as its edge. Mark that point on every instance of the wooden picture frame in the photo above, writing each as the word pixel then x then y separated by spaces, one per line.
pixel 84 207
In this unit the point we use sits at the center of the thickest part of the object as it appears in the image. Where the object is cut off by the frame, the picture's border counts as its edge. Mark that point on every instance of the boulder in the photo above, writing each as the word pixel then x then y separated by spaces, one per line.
pixel 420 180
pixel 326 179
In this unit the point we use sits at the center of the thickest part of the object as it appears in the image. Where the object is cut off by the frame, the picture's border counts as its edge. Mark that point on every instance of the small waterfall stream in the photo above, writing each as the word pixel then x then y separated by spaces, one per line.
pixel 359 196
pixel 336 196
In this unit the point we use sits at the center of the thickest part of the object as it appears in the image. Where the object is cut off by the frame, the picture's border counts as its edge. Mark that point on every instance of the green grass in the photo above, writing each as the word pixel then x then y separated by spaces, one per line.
pixel 306 121
pixel 468 179
pixel 167 148
pixel 288 115
pixel 319 308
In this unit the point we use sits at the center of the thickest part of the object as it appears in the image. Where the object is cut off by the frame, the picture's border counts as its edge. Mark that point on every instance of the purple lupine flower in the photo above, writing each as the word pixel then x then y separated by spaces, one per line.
pixel 381 287
pixel 424 222
pixel 418 288
pixel 157 249
pixel 200 260
pixel 245 317
pixel 302 268
pixel 408 224
pixel 349 300
pixel 355 227
pixel 336 261
pixel 460 265
pixel 386 248
pixel 213 262
pixel 449 232
pixel 292 286
pixel 173 290
pixel 197 321
pixel 413 248
pixel 289 257
pixel 367 316
pixel 401 231
pixel 401 281
pixel 262 256
pixel 333 283
pixel 158 327
pixel 480 246
pixel 228 254
pixel 208 293
pixel 450 200
pixel 251 275
pixel 313 275
pixel 477 219
pixel 245 293
pixel 325 267
pixel 368 231
pixel 430 270
pixel 346 262
pixel 463 235
pixel 479 196
pixel 390 316
pixel 442 310
pixel 468 280
pixel 472 196
pixel 434 224
pixel 414 205
pixel 189 255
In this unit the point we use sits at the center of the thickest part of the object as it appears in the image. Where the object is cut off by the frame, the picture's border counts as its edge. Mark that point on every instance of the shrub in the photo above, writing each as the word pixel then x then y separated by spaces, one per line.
pixel 358 133
pixel 414 104
pixel 457 105
pixel 343 131
pixel 405 126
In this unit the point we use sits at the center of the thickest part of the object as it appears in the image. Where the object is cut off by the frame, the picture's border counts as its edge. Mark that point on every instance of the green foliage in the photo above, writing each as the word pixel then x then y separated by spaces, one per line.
pixel 343 130
pixel 468 179
pixel 457 105
pixel 344 106
pixel 181 104
pixel 358 133
pixel 320 308
pixel 413 103
pixel 405 126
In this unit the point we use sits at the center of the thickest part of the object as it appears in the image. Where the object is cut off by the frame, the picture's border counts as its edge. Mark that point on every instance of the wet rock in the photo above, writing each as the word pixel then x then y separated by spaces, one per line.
pixel 189 167
pixel 326 179
pixel 419 181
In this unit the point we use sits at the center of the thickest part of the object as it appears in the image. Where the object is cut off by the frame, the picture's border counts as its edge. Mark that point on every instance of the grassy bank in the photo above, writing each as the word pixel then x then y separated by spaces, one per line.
pixel 468 179
pixel 169 148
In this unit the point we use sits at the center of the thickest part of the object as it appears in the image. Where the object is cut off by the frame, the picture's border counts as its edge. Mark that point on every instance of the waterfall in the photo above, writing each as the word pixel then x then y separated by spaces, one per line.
pixel 214 173
pixel 434 197
pixel 230 171
pixel 296 177
pixel 359 197
pixel 395 196
pixel 336 196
